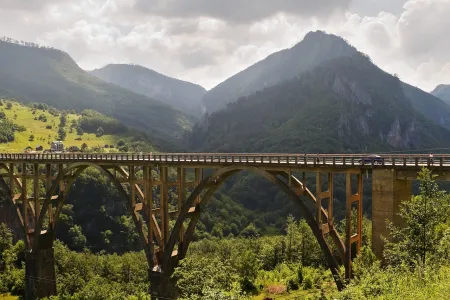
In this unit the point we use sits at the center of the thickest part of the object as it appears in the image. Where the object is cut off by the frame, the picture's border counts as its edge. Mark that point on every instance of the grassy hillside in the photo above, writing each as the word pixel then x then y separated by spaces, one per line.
pixel 23 116
pixel 37 74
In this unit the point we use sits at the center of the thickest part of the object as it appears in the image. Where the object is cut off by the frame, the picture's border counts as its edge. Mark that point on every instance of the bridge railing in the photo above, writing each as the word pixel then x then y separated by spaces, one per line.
pixel 247 158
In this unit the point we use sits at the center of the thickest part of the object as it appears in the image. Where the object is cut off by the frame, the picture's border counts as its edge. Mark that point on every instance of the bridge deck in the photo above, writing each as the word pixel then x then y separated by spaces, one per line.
pixel 335 161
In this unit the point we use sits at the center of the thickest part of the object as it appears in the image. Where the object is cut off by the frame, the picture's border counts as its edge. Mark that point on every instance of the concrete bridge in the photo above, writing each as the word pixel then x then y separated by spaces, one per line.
pixel 37 213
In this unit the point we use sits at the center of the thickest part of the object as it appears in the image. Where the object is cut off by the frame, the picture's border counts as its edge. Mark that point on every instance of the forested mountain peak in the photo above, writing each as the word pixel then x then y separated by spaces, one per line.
pixel 31 73
pixel 180 94
pixel 346 104
pixel 314 49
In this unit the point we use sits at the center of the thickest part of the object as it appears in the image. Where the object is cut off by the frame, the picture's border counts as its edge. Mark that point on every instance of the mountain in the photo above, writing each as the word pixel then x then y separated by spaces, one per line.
pixel 315 48
pixel 182 95
pixel 38 74
pixel 345 104
pixel 442 91
pixel 430 106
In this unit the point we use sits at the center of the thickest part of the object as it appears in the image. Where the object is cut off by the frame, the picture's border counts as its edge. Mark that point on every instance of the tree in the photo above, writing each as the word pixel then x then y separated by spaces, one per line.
pixel 42 118
pixel 61 134
pixel 120 143
pixel 80 131
pixel 62 120
pixel 99 132
pixel 77 238
pixel 250 231
pixel 293 240
pixel 422 215
pixel 2 115
pixel 31 138
pixel 8 105
pixel 84 146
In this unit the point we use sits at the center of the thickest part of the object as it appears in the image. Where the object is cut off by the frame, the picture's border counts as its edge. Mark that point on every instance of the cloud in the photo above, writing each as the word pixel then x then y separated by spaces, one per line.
pixel 240 11
pixel 207 41
pixel 371 8
pixel 414 44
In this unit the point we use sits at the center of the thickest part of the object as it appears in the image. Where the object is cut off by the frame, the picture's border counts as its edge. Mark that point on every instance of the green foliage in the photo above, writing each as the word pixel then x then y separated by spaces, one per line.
pixel 42 118
pixel 6 131
pixel 91 121
pixel 11 274
pixel 88 276
pixel 99 132
pixel 250 231
pixel 77 237
pixel 120 143
pixel 425 216
pixel 62 120
pixel 195 275
pixel 61 134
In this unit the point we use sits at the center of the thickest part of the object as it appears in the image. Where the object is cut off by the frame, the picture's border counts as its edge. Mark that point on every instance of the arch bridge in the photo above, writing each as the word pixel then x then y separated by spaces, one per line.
pixel 38 184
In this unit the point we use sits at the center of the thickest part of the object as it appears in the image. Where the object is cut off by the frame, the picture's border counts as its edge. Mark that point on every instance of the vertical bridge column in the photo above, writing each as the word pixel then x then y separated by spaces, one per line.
pixel 353 230
pixel 324 195
pixel 387 194
pixel 39 255
pixel 162 286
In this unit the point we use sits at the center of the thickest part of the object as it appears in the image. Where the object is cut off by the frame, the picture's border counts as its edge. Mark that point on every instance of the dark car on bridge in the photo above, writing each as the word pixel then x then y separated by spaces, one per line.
pixel 368 160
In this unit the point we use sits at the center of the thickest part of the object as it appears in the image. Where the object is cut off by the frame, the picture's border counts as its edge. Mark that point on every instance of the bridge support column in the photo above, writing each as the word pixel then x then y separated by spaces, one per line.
pixel 353 235
pixel 162 286
pixel 40 270
pixel 387 194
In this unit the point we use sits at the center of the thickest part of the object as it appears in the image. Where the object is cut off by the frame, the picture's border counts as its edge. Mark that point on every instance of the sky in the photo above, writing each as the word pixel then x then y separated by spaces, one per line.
pixel 207 41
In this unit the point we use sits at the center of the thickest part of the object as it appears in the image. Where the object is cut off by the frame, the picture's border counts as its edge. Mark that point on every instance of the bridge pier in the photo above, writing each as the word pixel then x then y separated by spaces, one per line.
pixel 388 192
pixel 40 270
pixel 162 286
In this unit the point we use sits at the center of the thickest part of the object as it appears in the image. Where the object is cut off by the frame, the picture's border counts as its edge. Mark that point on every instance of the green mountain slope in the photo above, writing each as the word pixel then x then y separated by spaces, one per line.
pixel 315 48
pixel 180 94
pixel 430 106
pixel 36 74
pixel 442 91
pixel 344 105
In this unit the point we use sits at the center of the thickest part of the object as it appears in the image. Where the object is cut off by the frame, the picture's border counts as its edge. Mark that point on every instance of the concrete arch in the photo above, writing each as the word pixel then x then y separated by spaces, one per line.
pixel 211 184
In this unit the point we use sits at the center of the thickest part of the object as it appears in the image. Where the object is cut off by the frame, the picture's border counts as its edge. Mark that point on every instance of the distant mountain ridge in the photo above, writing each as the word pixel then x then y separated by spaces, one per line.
pixel 180 94
pixel 37 74
pixel 314 49
pixel 442 91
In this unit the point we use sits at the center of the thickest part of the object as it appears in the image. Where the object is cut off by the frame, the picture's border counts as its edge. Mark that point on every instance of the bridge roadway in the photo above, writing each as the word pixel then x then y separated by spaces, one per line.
pixel 345 161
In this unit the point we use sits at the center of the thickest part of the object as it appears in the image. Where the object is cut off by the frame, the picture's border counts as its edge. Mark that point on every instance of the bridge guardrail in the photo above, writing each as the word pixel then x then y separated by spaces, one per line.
pixel 252 158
